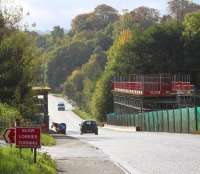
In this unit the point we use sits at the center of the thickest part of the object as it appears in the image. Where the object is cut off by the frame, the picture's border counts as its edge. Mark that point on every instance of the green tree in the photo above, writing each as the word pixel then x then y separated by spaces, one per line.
pixel 87 77
pixel 16 67
pixel 160 49
pixel 192 41
pixel 102 99
pixel 66 60
pixel 192 25
pixel 95 21
pixel 57 32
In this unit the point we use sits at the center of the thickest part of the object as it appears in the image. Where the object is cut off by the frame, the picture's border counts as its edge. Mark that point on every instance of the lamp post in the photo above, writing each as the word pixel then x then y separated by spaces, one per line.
pixel 0 6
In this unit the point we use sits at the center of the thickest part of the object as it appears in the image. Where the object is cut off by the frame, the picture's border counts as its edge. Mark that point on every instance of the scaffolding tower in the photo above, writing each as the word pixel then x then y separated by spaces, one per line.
pixel 150 92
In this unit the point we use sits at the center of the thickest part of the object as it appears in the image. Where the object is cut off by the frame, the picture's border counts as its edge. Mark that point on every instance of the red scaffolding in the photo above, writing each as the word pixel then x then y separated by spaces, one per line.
pixel 153 84
pixel 150 92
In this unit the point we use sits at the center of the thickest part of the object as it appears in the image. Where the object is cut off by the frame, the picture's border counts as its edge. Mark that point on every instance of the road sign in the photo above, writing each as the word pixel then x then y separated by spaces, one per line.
pixel 9 135
pixel 28 137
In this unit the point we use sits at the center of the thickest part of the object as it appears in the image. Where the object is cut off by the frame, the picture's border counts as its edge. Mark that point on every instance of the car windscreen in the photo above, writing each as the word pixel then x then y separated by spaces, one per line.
pixel 61 104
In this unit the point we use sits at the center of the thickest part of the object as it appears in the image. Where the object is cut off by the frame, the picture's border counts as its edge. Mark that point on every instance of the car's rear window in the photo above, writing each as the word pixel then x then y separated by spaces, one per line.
pixel 90 123
pixel 61 104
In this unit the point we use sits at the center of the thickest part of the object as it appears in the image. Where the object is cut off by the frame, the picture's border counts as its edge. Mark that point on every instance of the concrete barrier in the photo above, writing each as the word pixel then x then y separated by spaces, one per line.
pixel 120 128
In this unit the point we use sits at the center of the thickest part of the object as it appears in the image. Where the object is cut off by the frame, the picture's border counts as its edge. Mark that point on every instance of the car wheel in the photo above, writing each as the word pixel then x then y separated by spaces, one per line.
pixel 96 133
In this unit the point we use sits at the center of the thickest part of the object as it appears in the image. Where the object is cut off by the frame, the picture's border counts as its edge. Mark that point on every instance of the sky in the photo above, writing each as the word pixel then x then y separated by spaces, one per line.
pixel 49 13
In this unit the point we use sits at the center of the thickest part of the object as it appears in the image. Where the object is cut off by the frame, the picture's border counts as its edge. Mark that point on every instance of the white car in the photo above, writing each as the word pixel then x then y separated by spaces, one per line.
pixel 61 106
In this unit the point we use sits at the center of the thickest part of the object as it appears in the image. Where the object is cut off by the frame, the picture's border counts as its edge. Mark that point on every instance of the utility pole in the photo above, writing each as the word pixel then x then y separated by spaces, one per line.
pixel 182 13
pixel 0 6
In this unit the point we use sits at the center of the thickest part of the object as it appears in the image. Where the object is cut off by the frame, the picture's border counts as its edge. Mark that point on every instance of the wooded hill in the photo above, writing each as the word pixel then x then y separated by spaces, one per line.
pixel 104 43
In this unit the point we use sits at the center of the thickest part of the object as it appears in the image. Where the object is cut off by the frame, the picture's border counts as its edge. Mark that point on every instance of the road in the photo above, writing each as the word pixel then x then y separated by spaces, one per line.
pixel 139 152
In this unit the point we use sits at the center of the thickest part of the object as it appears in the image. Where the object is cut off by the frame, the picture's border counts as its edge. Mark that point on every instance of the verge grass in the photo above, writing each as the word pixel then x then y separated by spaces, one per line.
pixel 86 116
pixel 82 114
pixel 48 140
pixel 11 163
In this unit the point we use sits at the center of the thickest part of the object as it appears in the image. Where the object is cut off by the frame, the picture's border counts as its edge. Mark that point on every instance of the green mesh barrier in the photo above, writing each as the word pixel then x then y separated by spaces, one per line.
pixel 192 120
pixel 178 122
pixel 155 118
pixel 160 121
pixel 185 120
pixel 151 121
pixel 165 121
pixel 171 121
pixel 198 118
pixel 146 116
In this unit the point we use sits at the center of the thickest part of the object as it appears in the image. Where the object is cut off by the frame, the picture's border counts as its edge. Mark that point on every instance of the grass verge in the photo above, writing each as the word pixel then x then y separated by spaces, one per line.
pixel 58 94
pixel 11 163
pixel 48 140
pixel 82 114
pixel 86 116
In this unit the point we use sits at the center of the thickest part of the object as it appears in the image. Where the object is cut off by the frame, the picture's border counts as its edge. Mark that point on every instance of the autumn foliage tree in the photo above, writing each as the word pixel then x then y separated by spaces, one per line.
pixel 179 8
pixel 97 20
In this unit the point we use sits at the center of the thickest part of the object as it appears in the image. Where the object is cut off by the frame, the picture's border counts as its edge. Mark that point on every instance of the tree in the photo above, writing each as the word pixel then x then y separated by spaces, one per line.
pixel 17 60
pixel 16 67
pixel 192 41
pixel 12 14
pixel 179 8
pixel 57 32
pixel 192 25
pixel 102 99
pixel 140 18
pixel 145 16
pixel 95 21
pixel 67 59
pixel 106 12
pixel 105 9
pixel 74 86
pixel 86 77
pixel 160 49
pixel 103 40
pixel 116 61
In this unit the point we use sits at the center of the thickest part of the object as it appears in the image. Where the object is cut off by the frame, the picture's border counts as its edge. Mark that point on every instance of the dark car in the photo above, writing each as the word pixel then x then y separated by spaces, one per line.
pixel 89 126
pixel 61 106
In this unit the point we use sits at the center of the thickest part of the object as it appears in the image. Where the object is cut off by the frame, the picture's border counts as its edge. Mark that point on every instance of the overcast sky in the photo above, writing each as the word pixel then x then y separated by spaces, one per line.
pixel 49 13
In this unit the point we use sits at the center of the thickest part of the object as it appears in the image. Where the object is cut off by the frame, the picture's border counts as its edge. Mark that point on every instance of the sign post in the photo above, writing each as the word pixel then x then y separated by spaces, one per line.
pixel 28 138
pixel 24 137
pixel 35 154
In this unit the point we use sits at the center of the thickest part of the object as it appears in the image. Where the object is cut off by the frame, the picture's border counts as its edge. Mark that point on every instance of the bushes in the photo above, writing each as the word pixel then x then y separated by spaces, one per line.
pixel 8 113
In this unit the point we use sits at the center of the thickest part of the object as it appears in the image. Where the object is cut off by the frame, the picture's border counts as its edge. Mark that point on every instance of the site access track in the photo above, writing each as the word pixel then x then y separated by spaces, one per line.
pixel 136 152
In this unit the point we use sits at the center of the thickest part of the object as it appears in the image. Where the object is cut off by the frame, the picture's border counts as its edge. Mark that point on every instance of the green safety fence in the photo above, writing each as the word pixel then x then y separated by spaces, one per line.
pixel 183 120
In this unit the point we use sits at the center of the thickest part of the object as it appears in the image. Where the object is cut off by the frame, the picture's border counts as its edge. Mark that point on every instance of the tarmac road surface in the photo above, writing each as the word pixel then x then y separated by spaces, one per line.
pixel 139 152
